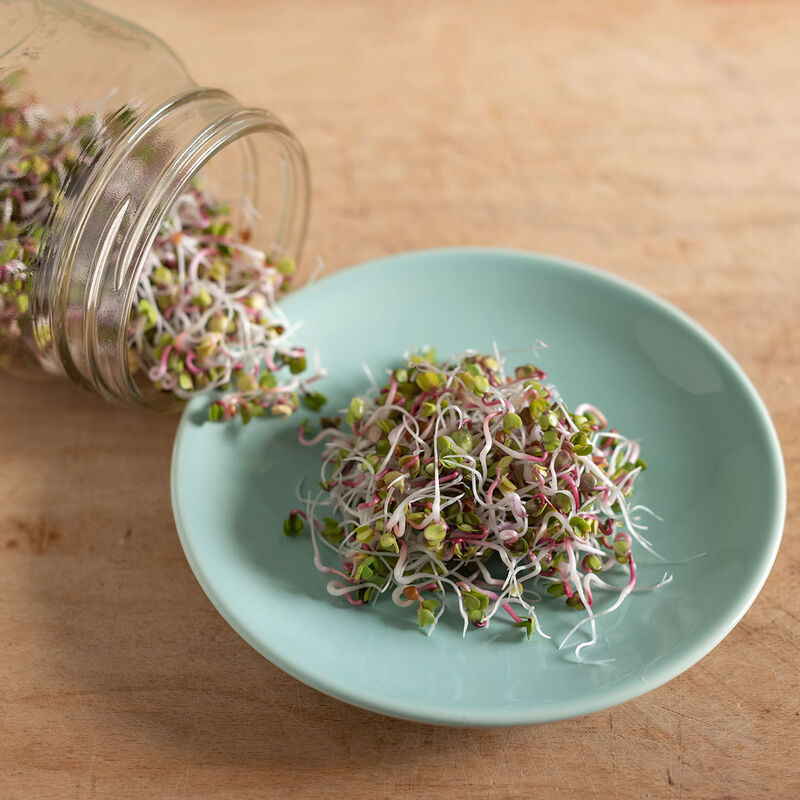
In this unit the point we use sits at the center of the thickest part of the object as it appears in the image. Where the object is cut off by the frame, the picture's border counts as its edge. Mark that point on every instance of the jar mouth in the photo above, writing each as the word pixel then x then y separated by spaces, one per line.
pixel 107 226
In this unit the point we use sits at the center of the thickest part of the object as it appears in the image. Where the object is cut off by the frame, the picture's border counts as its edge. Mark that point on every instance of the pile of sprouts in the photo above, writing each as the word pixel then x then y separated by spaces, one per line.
pixel 458 484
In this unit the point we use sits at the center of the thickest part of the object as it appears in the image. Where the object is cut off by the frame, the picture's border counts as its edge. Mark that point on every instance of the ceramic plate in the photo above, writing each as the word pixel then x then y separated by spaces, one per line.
pixel 715 476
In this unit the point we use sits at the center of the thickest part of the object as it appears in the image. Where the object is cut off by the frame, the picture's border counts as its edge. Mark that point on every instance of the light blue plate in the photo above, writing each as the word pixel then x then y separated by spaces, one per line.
pixel 715 475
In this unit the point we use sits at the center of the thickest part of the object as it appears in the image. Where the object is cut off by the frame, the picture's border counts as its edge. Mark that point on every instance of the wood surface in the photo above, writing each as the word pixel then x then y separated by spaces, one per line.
pixel 657 140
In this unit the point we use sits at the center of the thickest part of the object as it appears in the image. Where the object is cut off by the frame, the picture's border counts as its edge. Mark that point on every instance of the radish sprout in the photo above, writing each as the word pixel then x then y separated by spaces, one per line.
pixel 458 483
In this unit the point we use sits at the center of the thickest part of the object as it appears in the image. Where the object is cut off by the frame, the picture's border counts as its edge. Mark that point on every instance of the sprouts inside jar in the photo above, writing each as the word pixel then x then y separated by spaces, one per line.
pixel 205 317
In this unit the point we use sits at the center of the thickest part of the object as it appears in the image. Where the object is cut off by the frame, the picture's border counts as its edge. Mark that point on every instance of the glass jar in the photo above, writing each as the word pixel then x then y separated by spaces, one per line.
pixel 132 132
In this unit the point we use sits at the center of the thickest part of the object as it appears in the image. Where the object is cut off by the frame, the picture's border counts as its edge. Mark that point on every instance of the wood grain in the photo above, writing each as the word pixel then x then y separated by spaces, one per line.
pixel 656 140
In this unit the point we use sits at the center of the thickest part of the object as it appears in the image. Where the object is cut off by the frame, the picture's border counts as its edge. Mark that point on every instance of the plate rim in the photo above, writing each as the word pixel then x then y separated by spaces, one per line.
pixel 659 673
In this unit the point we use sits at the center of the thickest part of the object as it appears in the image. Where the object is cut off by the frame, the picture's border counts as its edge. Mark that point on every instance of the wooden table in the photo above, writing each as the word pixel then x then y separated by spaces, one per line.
pixel 659 141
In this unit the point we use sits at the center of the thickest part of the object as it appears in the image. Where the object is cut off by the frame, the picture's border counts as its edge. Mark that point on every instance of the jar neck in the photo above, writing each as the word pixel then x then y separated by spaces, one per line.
pixel 104 224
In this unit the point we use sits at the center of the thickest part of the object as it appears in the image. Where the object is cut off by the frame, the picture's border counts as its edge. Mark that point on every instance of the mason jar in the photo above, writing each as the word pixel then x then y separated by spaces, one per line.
pixel 81 204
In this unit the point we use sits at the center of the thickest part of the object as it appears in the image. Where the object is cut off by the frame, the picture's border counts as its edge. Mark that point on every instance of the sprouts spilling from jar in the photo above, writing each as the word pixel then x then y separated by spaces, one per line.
pixel 205 316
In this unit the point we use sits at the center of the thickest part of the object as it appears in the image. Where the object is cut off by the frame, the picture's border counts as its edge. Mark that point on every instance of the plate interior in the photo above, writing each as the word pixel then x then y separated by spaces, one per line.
pixel 715 476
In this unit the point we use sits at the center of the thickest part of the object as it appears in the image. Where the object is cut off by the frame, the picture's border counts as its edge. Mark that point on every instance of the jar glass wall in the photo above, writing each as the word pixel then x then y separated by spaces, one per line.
pixel 104 138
